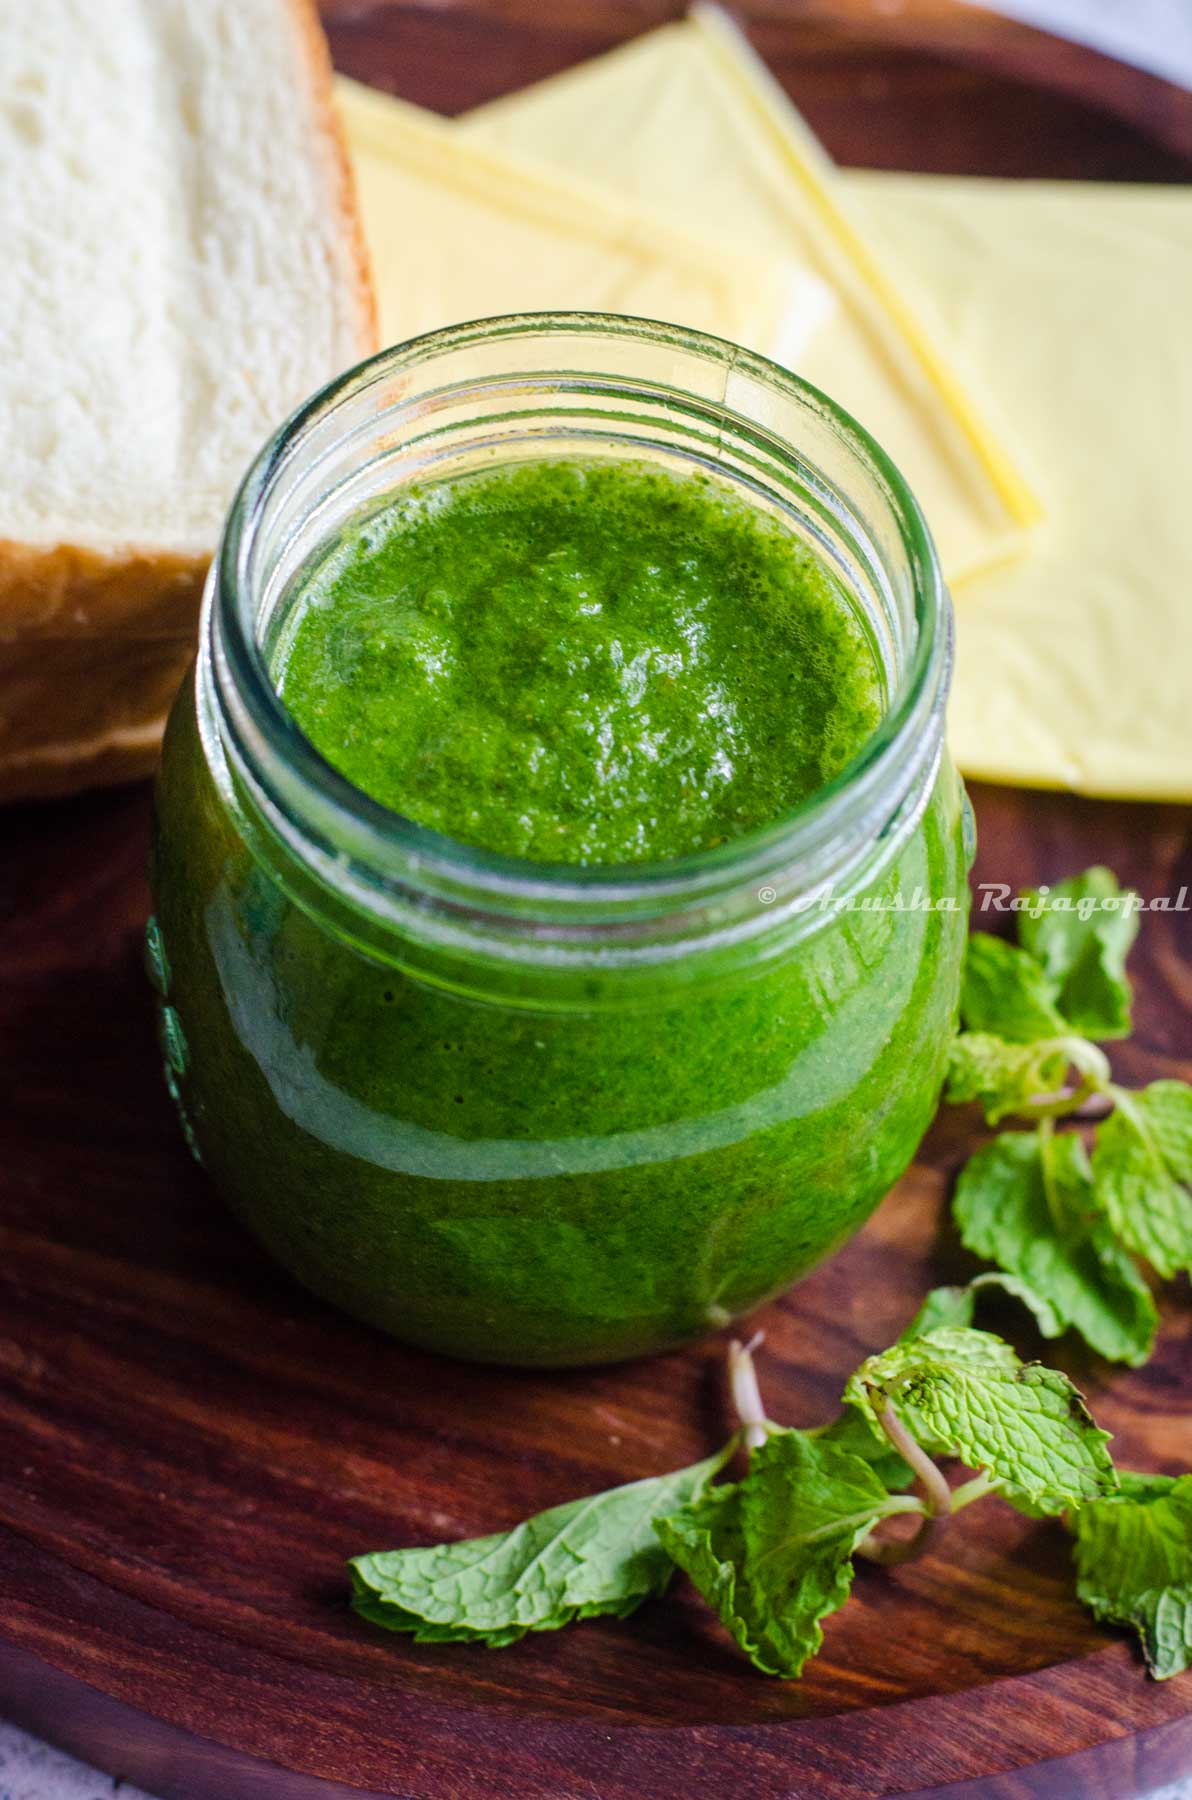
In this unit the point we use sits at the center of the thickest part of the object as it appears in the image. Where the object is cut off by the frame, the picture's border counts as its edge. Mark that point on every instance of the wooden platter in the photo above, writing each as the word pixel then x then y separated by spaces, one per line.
pixel 190 1447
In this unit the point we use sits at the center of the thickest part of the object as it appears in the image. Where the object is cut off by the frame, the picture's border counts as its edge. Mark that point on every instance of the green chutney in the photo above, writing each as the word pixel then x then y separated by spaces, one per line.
pixel 590 663
pixel 594 663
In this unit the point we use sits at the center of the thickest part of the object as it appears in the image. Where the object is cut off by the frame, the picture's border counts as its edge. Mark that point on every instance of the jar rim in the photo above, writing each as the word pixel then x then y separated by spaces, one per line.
pixel 388 845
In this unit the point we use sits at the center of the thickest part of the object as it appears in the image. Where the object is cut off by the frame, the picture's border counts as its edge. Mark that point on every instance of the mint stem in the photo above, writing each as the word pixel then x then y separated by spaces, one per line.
pixel 937 1496
pixel 747 1398
pixel 936 1490
pixel 1084 1102
pixel 1090 1098
pixel 976 1489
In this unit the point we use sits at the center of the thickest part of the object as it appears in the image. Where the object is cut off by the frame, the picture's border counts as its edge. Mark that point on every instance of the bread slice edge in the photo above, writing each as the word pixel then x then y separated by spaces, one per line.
pixel 94 642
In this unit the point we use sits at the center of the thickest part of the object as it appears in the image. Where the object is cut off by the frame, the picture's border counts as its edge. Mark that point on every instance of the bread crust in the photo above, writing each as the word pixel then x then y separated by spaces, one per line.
pixel 92 649
pixel 93 645
pixel 55 591
pixel 317 55
pixel 126 752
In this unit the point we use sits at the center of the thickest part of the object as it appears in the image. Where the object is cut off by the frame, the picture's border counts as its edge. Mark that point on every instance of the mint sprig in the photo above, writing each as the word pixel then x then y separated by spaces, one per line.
pixel 775 1552
pixel 966 1394
pixel 1062 1227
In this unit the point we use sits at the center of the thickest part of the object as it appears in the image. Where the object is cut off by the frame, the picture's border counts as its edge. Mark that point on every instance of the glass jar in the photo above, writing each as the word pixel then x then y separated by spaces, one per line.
pixel 542 1114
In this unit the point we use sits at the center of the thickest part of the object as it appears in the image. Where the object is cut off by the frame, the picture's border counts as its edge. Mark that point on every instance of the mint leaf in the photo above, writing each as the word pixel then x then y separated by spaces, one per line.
pixel 1080 932
pixel 854 1432
pixel 1046 1318
pixel 1136 1486
pixel 1026 1202
pixel 1134 1566
pixel 965 1393
pixel 1142 1171
pixel 366 1605
pixel 1007 1077
pixel 590 1556
pixel 772 1554
pixel 1168 1109
pixel 958 1305
pixel 1007 993
pixel 943 1306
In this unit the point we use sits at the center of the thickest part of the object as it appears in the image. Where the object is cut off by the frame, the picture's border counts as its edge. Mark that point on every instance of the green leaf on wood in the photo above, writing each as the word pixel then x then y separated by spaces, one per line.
pixel 1080 933
pixel 1006 993
pixel 591 1556
pixel 1134 1566
pixel 772 1554
pixel 1142 1173
pixel 966 1394
pixel 1026 1201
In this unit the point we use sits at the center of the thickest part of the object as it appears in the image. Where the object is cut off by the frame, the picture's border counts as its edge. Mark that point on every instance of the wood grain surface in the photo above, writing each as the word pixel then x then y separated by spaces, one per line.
pixel 892 84
pixel 190 1447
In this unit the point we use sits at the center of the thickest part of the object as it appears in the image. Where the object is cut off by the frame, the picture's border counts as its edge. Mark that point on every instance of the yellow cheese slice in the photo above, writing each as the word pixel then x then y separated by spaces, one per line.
pixel 688 121
pixel 1068 302
pixel 458 232
pixel 1074 667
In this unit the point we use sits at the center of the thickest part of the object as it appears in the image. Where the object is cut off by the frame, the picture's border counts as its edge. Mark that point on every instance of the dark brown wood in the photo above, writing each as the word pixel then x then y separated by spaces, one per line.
pixel 190 1447
pixel 914 84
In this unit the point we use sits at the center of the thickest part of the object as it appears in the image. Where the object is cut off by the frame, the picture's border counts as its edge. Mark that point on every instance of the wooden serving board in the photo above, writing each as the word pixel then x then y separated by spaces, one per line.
pixel 190 1447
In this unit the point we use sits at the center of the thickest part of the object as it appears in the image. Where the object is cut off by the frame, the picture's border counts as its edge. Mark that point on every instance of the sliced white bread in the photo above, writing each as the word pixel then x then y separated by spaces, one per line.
pixel 182 263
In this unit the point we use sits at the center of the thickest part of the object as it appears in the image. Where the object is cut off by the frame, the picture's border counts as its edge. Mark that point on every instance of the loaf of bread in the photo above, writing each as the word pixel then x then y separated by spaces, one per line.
pixel 182 264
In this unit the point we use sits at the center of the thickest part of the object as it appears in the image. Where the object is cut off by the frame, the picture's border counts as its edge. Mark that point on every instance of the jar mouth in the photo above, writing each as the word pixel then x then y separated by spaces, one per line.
pixel 578 353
